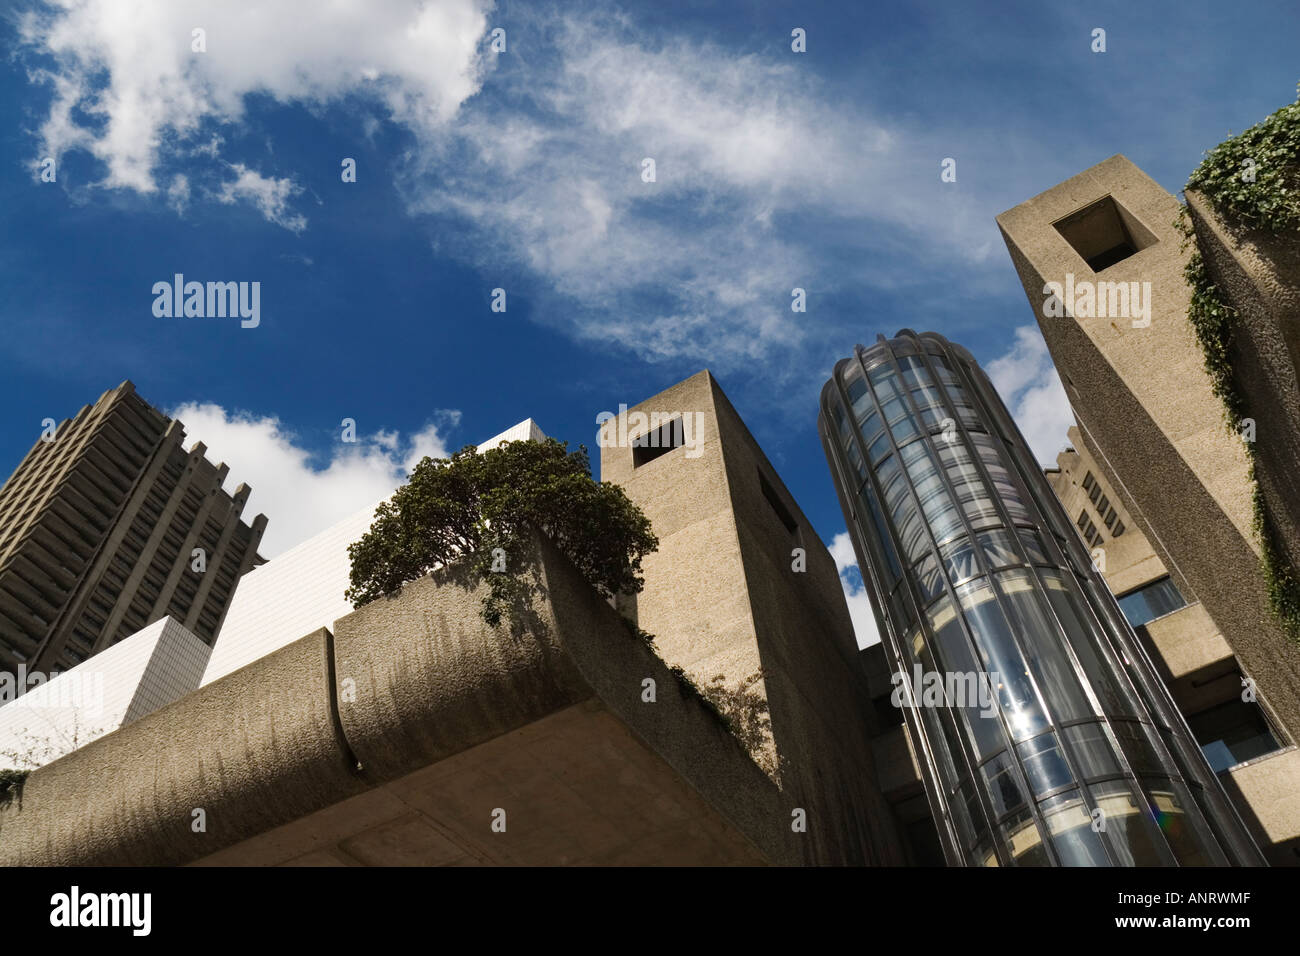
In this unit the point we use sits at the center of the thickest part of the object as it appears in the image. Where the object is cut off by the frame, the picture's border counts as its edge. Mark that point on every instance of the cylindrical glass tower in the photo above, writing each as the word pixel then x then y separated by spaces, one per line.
pixel 1045 734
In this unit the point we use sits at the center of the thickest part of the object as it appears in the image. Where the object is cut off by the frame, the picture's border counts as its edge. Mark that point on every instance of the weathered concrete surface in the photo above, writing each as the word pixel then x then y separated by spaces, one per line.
pixel 1144 405
pixel 723 597
pixel 449 720
pixel 576 788
pixel 1258 274
pixel 251 751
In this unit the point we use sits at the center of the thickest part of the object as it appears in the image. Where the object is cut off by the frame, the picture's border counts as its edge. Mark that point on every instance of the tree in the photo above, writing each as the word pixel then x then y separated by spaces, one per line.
pixel 478 510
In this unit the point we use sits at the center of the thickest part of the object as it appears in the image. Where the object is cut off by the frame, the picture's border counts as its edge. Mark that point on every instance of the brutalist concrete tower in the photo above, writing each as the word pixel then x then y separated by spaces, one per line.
pixel 743 596
pixel 1046 736
pixel 1102 263
pixel 109 526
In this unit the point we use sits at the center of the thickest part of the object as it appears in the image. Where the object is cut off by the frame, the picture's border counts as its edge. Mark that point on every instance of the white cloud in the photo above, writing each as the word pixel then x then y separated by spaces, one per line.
pixel 700 263
pixel 129 89
pixel 298 495
pixel 1029 385
pixel 269 195
pixel 751 150
pixel 864 619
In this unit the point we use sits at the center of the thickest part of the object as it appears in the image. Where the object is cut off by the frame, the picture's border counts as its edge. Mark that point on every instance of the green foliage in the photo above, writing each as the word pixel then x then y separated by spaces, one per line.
pixel 1272 201
pixel 476 511
pixel 11 785
pixel 1213 321
pixel 1283 587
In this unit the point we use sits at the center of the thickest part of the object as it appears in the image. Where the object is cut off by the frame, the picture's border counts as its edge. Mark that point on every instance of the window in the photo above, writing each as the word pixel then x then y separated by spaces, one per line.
pixel 1119 529
pixel 1095 493
pixel 1088 481
pixel 646 448
pixel 778 506
pixel 1232 733
pixel 1083 519
pixel 1151 601
pixel 1104 233
pixel 1103 505
pixel 1110 520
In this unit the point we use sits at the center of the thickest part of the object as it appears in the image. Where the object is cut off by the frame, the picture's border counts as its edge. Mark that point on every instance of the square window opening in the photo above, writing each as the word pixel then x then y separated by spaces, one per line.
pixel 1104 233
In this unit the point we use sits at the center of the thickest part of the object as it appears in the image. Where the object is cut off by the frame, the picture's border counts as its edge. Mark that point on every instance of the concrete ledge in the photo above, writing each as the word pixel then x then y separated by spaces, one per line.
pixel 419 679
pixel 252 751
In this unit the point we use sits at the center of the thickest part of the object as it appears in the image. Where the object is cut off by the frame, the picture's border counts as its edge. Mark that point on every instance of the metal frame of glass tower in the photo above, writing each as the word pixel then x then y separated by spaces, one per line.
pixel 1045 734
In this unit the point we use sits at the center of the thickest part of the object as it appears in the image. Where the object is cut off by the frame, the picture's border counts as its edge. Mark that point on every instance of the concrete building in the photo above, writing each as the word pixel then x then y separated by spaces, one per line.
pixel 1241 739
pixel 410 732
pixel 743 593
pixel 1030 703
pixel 109 526
pixel 1144 404
pixel 1150 423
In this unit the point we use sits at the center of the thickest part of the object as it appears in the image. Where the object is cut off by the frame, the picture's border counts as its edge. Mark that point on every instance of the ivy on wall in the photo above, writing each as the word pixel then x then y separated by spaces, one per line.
pixel 1252 180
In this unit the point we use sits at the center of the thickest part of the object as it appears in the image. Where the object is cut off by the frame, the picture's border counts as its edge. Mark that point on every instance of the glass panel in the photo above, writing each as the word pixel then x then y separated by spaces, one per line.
pixel 1129 828
pixel 1003 486
pixel 1138 743
pixel 1041 639
pixel 857 392
pixel 1108 684
pixel 1093 750
pixel 928 576
pixel 904 430
pixel 969 487
pixel 1181 823
pixel 959 559
pixel 894 410
pixel 914 371
pixel 884 540
pixel 1001 783
pixel 879 448
pixel 1150 602
pixel 1069 825
pixel 998 548
pixel 1022 839
pixel 856 466
pixel 912 533
pixel 1033 545
pixel 1002 660
pixel 1044 764
pixel 871 425
pixel 955 658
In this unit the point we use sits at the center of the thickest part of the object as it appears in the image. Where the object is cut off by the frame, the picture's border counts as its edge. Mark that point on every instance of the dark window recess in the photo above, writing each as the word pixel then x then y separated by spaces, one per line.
pixel 1119 529
pixel 1151 601
pixel 778 506
pixel 1094 494
pixel 1110 519
pixel 1232 733
pixel 1104 233
pixel 1083 519
pixel 648 447
pixel 1103 505
pixel 1087 481
pixel 886 712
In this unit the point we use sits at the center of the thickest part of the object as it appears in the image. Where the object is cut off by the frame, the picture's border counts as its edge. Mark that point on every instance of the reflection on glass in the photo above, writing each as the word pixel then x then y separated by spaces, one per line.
pixel 1002 659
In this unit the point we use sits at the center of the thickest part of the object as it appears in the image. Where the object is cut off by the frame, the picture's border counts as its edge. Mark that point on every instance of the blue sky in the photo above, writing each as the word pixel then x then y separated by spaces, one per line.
pixel 521 170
